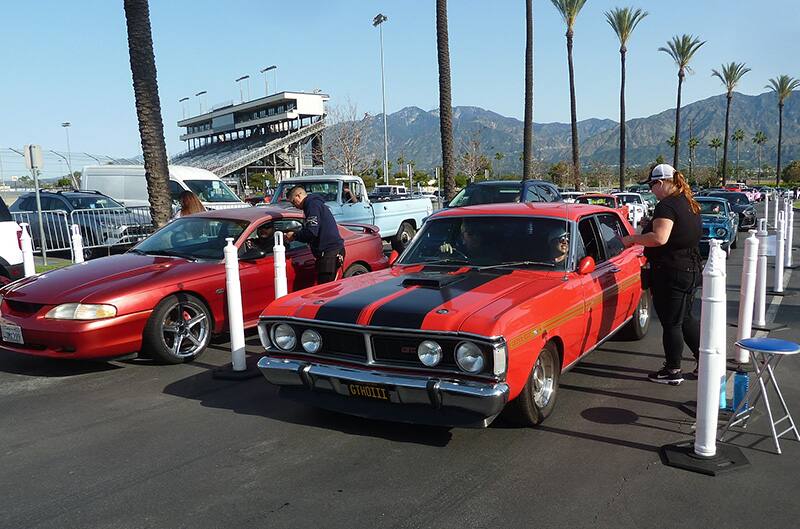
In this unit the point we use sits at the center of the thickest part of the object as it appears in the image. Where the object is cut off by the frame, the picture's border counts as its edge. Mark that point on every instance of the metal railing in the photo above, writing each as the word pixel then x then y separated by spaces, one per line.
pixel 56 229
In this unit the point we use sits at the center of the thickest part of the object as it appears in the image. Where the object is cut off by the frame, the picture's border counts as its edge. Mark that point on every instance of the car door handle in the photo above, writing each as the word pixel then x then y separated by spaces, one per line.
pixel 615 269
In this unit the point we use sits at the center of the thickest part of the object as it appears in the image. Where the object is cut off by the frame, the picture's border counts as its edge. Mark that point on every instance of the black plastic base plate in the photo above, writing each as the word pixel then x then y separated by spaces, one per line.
pixel 226 372
pixel 681 455
pixel 769 327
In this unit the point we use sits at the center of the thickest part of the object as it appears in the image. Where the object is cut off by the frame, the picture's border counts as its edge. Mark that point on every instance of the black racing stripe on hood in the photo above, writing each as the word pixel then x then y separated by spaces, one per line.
pixel 346 308
pixel 409 310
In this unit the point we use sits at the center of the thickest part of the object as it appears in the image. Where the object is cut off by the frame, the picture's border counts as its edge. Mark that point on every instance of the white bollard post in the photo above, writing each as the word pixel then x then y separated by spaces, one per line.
pixel 27 251
pixel 766 205
pixel 777 208
pixel 77 244
pixel 761 275
pixel 747 295
pixel 712 351
pixel 789 227
pixel 777 280
pixel 233 290
pixel 279 251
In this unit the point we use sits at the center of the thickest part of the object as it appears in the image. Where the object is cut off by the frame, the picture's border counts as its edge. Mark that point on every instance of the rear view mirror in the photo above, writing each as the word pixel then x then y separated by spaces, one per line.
pixel 586 265
pixel 393 257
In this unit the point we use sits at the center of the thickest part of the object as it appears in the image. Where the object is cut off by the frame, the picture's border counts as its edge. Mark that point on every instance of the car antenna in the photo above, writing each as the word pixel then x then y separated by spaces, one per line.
pixel 566 230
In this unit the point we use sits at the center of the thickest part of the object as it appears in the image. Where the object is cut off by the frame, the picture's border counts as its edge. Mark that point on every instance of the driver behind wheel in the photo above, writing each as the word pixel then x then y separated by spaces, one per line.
pixel 468 241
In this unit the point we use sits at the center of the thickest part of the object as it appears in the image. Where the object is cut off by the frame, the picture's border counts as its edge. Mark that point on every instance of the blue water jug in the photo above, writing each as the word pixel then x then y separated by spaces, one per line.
pixel 741 383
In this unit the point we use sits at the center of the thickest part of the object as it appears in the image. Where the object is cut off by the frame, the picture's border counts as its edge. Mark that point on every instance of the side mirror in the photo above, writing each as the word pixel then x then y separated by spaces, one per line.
pixel 252 254
pixel 586 265
pixel 393 257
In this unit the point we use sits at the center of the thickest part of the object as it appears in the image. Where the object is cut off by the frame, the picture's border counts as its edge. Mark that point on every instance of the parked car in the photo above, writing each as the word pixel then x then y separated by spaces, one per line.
pixel 637 206
pixel 166 296
pixel 10 247
pixel 498 191
pixel 602 199
pixel 719 222
pixel 741 205
pixel 483 312
pixel 570 196
pixel 398 218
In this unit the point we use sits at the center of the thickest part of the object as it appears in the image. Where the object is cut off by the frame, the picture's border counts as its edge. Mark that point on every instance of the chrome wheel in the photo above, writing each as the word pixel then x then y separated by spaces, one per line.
pixel 544 379
pixel 643 311
pixel 185 329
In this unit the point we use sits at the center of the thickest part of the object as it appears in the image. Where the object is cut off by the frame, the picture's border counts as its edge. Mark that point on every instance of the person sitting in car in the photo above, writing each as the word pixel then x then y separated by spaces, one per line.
pixel 264 238
pixel 559 245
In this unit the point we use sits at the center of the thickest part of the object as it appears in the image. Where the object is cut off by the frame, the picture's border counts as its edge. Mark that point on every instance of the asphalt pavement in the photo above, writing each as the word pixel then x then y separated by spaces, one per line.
pixel 130 444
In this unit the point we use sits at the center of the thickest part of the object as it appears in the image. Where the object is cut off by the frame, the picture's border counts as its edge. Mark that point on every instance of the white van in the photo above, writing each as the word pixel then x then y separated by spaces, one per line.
pixel 127 184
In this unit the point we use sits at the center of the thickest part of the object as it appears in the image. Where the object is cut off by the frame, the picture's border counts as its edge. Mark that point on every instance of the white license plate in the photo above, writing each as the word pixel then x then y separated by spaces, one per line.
pixel 12 333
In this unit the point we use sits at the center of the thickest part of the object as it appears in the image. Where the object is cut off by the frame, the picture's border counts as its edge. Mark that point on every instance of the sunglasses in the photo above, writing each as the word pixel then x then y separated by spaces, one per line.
pixel 563 239
pixel 652 183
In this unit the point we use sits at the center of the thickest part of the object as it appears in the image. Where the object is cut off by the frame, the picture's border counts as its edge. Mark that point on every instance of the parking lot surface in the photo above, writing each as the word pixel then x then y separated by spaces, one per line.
pixel 132 444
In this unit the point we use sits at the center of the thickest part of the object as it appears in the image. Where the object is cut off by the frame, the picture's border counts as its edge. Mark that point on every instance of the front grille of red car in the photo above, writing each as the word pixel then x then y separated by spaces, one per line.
pixel 22 308
pixel 401 349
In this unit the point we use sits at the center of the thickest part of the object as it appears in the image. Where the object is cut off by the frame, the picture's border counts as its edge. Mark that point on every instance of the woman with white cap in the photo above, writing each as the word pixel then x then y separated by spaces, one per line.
pixel 672 248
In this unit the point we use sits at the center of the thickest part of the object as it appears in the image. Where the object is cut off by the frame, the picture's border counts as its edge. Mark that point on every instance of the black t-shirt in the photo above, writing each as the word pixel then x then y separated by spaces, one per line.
pixel 682 248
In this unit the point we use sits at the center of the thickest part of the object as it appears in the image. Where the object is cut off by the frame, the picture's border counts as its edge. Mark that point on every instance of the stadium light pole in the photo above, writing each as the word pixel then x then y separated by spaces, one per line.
pixel 198 94
pixel 266 85
pixel 66 126
pixel 241 92
pixel 183 101
pixel 378 21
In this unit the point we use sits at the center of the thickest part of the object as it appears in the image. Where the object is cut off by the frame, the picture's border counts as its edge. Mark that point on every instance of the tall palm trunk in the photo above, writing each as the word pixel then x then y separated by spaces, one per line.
pixel 738 144
pixel 576 164
pixel 725 143
pixel 445 100
pixel 622 51
pixel 148 109
pixel 676 151
pixel 780 141
pixel 527 138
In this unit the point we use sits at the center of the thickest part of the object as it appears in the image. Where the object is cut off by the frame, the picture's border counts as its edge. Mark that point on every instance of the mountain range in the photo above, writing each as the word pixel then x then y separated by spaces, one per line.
pixel 414 134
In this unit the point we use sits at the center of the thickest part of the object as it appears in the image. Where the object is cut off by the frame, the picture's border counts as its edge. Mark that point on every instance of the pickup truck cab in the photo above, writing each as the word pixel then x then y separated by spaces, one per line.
pixel 398 217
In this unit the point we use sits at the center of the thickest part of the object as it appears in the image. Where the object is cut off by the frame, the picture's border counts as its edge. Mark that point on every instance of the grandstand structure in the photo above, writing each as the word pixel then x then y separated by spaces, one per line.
pixel 279 134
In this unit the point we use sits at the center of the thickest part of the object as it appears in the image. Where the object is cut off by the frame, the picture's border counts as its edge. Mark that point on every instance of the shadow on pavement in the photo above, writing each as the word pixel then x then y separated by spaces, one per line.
pixel 50 367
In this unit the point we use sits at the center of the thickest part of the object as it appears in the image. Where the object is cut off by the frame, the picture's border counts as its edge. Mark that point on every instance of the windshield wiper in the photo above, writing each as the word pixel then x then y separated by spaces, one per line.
pixel 447 260
pixel 517 263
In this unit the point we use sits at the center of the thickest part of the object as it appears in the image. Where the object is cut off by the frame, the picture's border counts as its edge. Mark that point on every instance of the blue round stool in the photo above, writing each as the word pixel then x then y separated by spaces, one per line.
pixel 767 354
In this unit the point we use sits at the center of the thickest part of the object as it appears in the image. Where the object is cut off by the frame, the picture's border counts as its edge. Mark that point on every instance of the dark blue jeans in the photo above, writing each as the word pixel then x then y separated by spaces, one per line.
pixel 673 292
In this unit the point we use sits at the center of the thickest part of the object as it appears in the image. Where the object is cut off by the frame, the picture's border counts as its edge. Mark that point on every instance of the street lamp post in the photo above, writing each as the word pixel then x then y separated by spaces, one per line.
pixel 66 126
pixel 241 93
pixel 378 21
pixel 266 85
pixel 198 94
pixel 183 101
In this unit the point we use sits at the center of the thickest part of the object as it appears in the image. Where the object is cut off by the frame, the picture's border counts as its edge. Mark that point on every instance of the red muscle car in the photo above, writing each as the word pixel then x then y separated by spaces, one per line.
pixel 166 296
pixel 486 308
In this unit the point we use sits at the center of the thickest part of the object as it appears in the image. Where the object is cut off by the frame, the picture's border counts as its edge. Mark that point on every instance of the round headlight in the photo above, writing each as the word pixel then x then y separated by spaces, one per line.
pixel 311 341
pixel 283 336
pixel 429 353
pixel 721 232
pixel 469 357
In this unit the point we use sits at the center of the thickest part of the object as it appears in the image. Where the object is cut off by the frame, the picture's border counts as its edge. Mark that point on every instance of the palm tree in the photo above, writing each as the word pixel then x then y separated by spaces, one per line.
pixel 569 10
pixel 623 21
pixel 445 100
pixel 148 109
pixel 738 137
pixel 759 138
pixel 693 143
pixel 782 86
pixel 730 75
pixel 672 141
pixel 527 136
pixel 715 144
pixel 681 49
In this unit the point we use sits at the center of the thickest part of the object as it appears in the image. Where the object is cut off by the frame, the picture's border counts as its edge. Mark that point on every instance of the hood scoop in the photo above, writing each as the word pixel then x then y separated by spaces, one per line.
pixel 436 280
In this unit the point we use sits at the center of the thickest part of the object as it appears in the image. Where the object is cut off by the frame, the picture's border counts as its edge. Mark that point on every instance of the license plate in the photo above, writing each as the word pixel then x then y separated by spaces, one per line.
pixel 368 391
pixel 12 333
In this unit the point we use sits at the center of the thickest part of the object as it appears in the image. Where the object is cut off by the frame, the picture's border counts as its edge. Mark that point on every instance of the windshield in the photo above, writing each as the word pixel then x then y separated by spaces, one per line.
pixel 597 201
pixel 211 191
pixel 487 194
pixel 98 202
pixel 491 241
pixel 192 238
pixel 327 189
pixel 629 199
pixel 711 207
pixel 733 198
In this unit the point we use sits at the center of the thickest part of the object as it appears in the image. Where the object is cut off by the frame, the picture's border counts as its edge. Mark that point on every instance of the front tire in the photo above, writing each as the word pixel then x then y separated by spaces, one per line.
pixel 179 329
pixel 404 235
pixel 636 329
pixel 538 398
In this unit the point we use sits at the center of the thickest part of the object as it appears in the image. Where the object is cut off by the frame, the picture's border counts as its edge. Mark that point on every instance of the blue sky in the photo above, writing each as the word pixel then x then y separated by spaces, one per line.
pixel 68 61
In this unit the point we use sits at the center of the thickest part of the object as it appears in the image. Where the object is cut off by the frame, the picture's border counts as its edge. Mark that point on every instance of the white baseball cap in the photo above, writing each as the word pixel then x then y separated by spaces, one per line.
pixel 662 171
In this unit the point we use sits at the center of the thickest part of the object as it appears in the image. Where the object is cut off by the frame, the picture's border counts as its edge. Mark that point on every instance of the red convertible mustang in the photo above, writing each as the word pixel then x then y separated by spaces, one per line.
pixel 486 307
pixel 166 296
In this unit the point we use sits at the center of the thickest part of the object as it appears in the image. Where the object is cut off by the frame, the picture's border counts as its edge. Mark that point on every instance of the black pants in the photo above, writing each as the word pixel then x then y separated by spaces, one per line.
pixel 327 265
pixel 673 295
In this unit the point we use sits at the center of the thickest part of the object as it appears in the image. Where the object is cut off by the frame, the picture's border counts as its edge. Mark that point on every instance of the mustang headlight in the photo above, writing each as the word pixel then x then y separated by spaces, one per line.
pixel 81 311
pixel 721 232
pixel 311 341
pixel 429 353
pixel 469 357
pixel 284 336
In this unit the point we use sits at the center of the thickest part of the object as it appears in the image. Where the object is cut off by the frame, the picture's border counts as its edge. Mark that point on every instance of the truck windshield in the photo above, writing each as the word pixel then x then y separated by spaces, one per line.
pixel 327 189
pixel 212 191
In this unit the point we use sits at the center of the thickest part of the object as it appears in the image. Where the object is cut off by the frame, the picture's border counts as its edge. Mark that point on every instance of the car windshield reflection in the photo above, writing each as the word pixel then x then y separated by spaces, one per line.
pixel 515 242
pixel 192 238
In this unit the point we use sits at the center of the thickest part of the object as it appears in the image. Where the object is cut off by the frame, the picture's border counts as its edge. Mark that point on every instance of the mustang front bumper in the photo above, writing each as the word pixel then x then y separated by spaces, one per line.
pixel 387 396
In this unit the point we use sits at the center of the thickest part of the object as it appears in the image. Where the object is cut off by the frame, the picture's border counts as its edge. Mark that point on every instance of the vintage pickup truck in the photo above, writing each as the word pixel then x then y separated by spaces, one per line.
pixel 398 219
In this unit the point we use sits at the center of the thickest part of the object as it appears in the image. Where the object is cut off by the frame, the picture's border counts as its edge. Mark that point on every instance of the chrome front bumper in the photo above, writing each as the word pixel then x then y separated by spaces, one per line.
pixel 406 398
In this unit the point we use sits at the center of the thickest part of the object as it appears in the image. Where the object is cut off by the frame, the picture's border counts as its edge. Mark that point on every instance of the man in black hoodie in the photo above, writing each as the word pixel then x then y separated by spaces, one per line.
pixel 320 232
